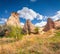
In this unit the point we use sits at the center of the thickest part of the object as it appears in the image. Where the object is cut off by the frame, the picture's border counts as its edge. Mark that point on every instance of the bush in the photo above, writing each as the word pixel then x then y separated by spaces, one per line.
pixel 15 32
pixel 37 30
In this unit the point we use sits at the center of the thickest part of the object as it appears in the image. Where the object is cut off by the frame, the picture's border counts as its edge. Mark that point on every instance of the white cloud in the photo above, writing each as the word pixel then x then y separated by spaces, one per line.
pixel 21 23
pixel 58 12
pixel 27 13
pixel 56 17
pixel 33 0
pixel 42 23
pixel 3 20
pixel 39 16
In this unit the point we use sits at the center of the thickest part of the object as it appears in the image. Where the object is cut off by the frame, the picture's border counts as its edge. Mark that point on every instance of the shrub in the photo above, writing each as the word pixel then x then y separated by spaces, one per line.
pixel 36 30
pixel 15 32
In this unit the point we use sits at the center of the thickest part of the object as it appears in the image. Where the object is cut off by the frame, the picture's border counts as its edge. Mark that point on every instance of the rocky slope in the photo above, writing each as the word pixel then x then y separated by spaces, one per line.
pixel 32 44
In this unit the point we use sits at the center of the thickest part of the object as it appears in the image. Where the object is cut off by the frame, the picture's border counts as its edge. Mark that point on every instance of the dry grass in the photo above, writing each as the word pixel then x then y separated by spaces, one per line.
pixel 32 44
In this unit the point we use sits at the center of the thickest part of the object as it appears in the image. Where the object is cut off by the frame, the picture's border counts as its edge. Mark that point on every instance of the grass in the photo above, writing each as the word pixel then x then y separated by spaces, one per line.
pixel 15 32
pixel 34 45
pixel 55 38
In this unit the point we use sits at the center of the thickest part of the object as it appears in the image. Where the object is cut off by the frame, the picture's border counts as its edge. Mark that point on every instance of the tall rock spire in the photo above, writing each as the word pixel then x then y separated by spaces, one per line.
pixel 50 25
pixel 13 20
pixel 28 27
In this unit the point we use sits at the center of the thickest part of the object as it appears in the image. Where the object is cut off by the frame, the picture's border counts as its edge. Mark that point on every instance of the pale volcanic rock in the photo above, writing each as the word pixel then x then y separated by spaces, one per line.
pixel 57 24
pixel 13 20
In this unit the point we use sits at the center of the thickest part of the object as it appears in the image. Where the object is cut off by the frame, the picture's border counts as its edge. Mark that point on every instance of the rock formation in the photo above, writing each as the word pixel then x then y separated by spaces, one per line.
pixel 4 32
pixel 28 27
pixel 57 24
pixel 50 25
pixel 13 20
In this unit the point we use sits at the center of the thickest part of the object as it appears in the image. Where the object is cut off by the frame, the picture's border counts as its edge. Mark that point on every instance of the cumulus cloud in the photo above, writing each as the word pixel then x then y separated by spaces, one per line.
pixel 39 16
pixel 33 0
pixel 27 13
pixel 42 23
pixel 21 23
pixel 56 17
pixel 3 20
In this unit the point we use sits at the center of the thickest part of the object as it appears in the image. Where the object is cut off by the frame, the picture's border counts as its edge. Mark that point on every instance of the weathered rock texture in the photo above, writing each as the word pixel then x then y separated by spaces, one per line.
pixel 57 24
pixel 50 25
pixel 13 20
pixel 28 27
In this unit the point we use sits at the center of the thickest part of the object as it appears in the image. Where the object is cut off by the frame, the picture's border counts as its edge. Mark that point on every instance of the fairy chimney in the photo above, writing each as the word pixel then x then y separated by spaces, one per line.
pixel 50 25
pixel 13 20
pixel 28 27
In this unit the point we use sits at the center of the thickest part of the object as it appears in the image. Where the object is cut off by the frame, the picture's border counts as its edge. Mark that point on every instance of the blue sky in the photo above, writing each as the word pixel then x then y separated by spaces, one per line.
pixel 46 8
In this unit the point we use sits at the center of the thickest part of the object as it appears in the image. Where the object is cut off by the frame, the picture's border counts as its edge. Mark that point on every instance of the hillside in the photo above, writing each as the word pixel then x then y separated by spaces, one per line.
pixel 47 43
pixel 29 39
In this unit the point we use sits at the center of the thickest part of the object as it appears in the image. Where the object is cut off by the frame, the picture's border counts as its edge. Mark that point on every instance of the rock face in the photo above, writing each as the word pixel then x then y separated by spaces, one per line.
pixel 28 27
pixel 57 24
pixel 13 20
pixel 4 32
pixel 50 25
